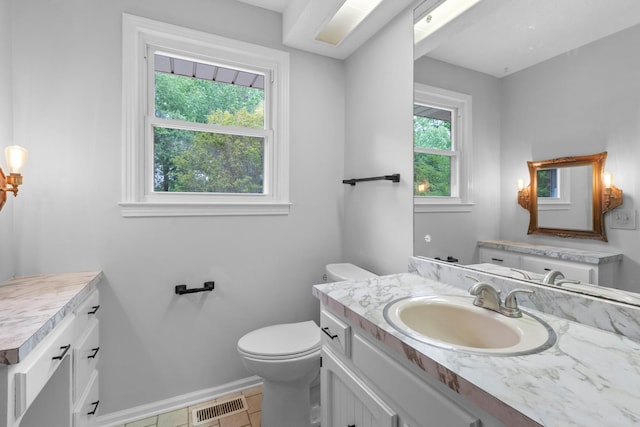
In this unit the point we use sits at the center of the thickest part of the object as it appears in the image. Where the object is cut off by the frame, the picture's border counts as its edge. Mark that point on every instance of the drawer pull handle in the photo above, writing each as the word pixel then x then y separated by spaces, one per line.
pixel 326 331
pixel 94 309
pixel 64 353
pixel 497 260
pixel 94 354
pixel 95 407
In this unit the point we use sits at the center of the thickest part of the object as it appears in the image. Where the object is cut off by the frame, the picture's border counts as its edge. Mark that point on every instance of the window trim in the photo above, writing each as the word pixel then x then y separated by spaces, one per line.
pixel 462 105
pixel 137 201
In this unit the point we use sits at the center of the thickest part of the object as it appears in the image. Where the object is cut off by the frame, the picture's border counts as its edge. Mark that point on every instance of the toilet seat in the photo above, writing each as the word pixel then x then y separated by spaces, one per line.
pixel 283 341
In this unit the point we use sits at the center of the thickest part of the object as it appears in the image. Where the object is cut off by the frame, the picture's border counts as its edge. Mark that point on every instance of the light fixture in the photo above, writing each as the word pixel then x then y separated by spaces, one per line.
pixel 346 19
pixel 612 195
pixel 16 157
pixel 439 14
pixel 523 194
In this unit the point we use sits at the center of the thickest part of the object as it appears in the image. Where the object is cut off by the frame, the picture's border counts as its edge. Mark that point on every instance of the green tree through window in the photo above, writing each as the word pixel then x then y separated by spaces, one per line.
pixel 221 160
pixel 432 136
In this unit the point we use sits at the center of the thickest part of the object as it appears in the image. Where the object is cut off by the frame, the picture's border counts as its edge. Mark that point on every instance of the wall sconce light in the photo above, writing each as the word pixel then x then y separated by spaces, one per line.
pixel 612 195
pixel 16 157
pixel 523 194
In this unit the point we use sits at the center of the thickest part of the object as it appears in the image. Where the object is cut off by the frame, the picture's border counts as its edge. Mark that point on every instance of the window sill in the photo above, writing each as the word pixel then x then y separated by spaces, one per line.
pixel 431 206
pixel 165 209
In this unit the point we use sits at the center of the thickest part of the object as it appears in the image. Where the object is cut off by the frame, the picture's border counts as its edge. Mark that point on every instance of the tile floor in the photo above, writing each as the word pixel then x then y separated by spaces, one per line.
pixel 181 417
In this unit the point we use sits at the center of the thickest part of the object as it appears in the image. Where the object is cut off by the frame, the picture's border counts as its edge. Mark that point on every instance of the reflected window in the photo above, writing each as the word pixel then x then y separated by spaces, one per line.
pixel 441 144
pixel 433 151
pixel 548 183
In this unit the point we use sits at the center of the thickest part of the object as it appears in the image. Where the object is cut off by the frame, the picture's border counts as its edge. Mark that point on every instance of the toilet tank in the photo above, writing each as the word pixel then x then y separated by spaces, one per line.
pixel 346 271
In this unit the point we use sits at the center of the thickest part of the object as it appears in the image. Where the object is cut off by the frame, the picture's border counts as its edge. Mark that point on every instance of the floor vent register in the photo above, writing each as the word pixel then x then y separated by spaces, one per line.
pixel 213 411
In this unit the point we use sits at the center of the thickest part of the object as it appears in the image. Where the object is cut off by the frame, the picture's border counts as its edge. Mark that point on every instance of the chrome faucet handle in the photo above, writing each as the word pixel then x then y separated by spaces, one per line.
pixel 523 273
pixel 510 307
pixel 486 296
pixel 561 281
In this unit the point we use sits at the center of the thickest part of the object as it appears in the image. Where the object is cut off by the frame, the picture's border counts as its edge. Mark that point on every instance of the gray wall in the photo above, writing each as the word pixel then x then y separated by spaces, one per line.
pixel 456 233
pixel 583 102
pixel 67 108
pixel 379 139
pixel 7 245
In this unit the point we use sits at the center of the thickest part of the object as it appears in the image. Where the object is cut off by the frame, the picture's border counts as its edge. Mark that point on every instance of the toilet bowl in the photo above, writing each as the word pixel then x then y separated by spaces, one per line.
pixel 287 358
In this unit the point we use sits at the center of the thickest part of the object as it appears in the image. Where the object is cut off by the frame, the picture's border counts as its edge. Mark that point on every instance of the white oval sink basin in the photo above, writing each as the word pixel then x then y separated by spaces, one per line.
pixel 454 322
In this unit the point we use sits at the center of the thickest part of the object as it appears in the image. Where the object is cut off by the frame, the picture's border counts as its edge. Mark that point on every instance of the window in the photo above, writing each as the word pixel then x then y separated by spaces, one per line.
pixel 204 124
pixel 442 132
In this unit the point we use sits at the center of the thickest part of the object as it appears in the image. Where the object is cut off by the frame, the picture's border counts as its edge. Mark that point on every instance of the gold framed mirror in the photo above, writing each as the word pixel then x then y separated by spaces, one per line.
pixel 568 197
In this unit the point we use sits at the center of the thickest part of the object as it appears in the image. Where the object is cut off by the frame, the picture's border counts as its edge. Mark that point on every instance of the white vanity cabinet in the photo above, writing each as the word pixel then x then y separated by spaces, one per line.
pixel 52 377
pixel 368 387
pixel 597 268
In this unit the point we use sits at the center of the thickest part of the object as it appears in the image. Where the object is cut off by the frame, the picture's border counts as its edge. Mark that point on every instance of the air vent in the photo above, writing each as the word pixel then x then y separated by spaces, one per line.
pixel 209 412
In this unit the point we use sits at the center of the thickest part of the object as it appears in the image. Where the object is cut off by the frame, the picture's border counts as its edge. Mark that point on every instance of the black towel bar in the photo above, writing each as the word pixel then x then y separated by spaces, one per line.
pixel 393 178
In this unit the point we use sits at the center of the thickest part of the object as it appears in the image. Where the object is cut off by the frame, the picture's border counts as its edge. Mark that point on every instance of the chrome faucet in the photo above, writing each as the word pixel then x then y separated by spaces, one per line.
pixel 525 275
pixel 488 297
pixel 551 276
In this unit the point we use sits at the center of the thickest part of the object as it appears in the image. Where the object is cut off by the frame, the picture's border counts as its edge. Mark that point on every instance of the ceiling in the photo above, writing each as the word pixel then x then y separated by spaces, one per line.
pixel 496 37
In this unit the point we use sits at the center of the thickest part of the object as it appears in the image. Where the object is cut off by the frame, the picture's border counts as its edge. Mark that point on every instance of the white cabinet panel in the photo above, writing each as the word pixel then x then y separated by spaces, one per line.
pixel 348 401
pixel 571 271
pixel 423 402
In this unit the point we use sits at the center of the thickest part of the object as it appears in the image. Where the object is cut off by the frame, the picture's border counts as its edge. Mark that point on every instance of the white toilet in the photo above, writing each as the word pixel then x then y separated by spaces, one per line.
pixel 287 358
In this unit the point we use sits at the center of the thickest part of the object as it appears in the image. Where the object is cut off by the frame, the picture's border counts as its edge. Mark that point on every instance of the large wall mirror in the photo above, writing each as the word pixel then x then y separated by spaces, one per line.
pixel 540 88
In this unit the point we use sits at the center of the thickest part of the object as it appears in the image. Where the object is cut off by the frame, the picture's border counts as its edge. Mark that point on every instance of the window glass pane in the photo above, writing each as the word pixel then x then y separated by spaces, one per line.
pixel 432 128
pixel 199 100
pixel 548 185
pixel 204 162
pixel 432 175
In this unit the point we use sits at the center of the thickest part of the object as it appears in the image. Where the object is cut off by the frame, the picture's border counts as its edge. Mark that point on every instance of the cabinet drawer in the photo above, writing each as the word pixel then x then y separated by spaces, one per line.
pixel 417 397
pixel 571 271
pixel 87 409
pixel 88 310
pixel 85 358
pixel 498 257
pixel 335 333
pixel 32 374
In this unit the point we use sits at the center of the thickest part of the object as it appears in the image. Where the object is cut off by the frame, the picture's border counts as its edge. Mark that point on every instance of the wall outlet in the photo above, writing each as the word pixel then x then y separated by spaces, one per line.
pixel 623 218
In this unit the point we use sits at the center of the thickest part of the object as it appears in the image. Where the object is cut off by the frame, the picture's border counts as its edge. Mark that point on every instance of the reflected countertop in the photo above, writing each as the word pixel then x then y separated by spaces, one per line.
pixel 589 377
pixel 566 254
pixel 31 306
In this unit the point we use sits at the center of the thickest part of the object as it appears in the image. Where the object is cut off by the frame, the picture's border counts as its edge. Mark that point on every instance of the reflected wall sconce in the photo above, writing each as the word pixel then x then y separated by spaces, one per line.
pixel 523 194
pixel 16 157
pixel 612 195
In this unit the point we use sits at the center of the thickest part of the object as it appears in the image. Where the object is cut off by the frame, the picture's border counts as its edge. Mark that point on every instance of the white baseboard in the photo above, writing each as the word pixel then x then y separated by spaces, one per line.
pixel 167 405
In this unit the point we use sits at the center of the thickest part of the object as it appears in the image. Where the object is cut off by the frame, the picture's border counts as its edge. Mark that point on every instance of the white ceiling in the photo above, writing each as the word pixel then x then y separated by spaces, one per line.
pixel 496 37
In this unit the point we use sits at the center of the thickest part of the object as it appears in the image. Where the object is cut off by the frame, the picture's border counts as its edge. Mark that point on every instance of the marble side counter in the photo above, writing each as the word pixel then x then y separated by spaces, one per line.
pixel 566 254
pixel 589 377
pixel 31 306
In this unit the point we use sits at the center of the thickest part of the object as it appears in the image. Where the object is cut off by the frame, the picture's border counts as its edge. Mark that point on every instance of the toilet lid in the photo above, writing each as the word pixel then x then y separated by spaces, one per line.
pixel 282 340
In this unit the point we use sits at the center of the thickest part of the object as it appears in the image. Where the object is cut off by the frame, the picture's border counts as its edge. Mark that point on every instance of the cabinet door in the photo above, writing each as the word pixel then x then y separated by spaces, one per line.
pixel 347 401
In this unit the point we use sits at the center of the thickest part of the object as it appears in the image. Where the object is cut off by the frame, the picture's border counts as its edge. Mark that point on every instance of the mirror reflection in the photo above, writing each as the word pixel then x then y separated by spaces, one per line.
pixel 538 89
pixel 564 197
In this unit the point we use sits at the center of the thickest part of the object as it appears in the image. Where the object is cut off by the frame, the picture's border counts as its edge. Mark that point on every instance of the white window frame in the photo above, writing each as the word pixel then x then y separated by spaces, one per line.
pixel 460 106
pixel 138 197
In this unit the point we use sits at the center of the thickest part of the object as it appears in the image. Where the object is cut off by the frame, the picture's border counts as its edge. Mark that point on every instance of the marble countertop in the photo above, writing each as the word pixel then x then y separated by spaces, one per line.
pixel 567 254
pixel 589 377
pixel 31 306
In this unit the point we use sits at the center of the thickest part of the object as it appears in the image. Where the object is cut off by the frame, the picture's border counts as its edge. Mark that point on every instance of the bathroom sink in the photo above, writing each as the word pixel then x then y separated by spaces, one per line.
pixel 453 322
